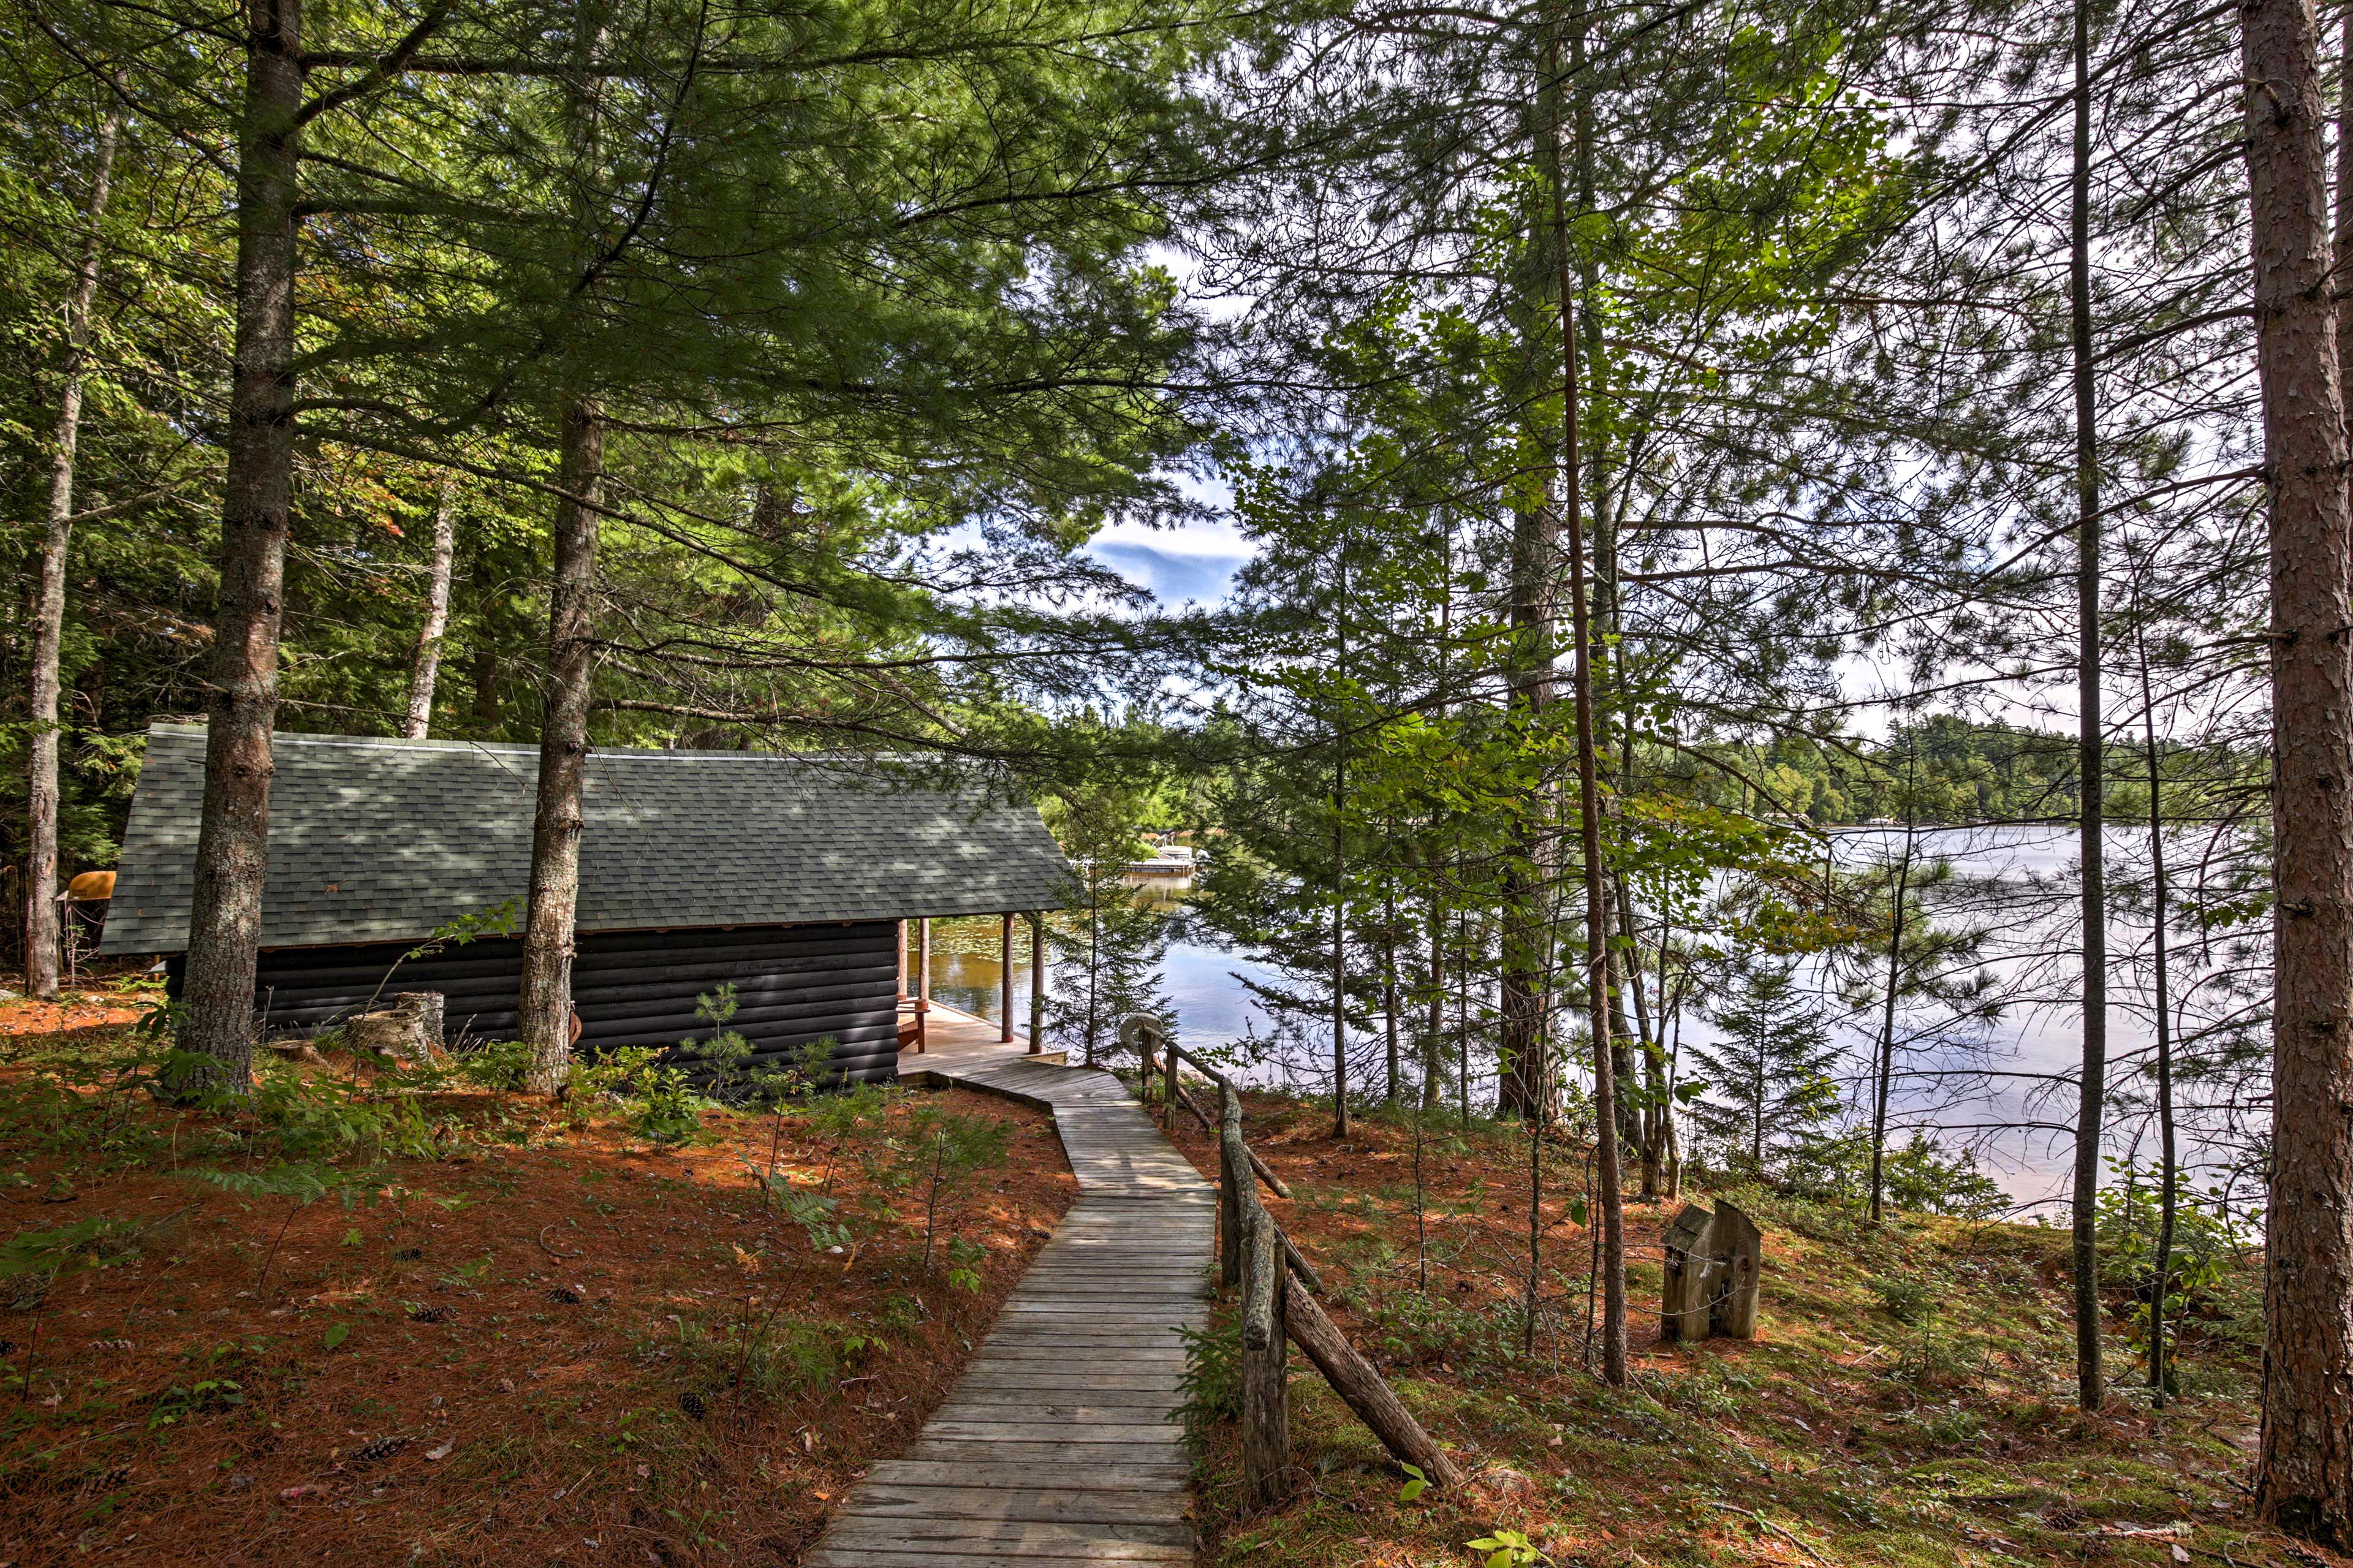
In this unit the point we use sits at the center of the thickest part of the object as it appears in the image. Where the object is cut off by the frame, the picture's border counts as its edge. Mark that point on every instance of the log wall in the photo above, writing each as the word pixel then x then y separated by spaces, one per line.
pixel 794 985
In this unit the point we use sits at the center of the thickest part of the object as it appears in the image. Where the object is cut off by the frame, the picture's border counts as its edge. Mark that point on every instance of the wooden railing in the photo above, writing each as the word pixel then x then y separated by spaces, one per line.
pixel 1278 1290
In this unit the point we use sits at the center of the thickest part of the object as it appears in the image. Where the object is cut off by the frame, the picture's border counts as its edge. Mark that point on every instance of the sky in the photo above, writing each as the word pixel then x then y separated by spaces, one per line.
pixel 1193 562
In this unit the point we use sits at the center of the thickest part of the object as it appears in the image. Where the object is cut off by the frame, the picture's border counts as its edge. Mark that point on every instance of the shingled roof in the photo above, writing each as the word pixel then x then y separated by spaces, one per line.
pixel 383 840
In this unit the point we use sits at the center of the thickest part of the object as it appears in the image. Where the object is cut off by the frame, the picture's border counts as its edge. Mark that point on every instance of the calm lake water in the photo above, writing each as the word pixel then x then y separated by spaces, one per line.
pixel 2009 1094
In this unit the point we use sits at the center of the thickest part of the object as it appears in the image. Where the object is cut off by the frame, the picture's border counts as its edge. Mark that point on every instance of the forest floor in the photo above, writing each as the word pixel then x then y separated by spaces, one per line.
pixel 1909 1397
pixel 397 1317
pixel 392 1318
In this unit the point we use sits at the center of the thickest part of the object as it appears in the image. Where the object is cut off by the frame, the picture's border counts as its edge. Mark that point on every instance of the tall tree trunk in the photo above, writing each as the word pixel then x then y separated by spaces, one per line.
pixel 2091 1386
pixel 1390 993
pixel 545 1016
pixel 257 497
pixel 425 669
pixel 1607 1182
pixel 1659 1109
pixel 2169 1154
pixel 1623 1041
pixel 48 607
pixel 1525 1082
pixel 1340 864
pixel 1433 1050
pixel 2344 235
pixel 2305 1476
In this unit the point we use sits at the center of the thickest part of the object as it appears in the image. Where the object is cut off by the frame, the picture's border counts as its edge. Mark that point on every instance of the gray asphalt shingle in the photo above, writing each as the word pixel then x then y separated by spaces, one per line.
pixel 383 840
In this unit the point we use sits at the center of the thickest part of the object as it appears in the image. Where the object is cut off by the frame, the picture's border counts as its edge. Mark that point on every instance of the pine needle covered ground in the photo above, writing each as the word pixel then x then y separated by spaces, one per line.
pixel 404 1318
pixel 1908 1400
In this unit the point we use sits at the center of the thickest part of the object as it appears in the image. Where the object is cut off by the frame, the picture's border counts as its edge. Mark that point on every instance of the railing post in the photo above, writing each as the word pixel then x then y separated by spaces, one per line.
pixel 1169 1088
pixel 1230 1182
pixel 1265 1369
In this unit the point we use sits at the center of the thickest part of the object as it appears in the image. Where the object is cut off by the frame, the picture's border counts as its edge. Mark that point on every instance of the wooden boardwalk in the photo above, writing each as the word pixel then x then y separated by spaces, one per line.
pixel 1058 1445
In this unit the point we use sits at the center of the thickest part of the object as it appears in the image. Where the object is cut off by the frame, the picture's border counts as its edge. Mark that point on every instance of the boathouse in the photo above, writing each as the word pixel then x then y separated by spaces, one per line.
pixel 795 877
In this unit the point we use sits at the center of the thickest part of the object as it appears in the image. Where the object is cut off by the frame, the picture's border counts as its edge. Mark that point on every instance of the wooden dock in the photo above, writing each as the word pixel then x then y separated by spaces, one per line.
pixel 1058 1444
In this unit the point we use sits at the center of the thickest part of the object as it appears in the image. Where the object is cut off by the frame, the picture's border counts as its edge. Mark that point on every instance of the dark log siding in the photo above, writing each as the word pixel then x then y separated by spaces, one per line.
pixel 794 985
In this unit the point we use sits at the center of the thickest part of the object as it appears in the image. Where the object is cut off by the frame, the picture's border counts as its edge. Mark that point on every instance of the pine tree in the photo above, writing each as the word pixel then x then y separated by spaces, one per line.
pixel 1768 1080
pixel 1108 947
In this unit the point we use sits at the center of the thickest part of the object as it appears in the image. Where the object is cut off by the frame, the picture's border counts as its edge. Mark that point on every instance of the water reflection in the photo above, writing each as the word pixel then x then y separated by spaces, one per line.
pixel 966 969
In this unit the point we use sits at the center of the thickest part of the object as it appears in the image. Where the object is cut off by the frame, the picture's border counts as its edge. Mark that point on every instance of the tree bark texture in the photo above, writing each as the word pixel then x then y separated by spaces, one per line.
pixel 48 607
pixel 2305 1474
pixel 425 670
pixel 1524 1086
pixel 545 1014
pixel 2091 1386
pixel 257 494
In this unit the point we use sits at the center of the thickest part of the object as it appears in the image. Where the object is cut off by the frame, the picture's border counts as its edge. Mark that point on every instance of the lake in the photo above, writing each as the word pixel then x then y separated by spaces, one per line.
pixel 2009 1096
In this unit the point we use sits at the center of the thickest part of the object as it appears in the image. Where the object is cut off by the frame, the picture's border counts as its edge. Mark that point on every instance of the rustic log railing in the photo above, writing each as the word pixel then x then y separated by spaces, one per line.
pixel 1278 1291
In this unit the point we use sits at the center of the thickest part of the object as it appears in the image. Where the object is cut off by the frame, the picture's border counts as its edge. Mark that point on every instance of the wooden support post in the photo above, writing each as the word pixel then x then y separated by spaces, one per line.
pixel 1229 1186
pixel 1711 1265
pixel 1036 981
pixel 902 959
pixel 1265 1369
pixel 1170 1091
pixel 1374 1403
pixel 922 984
pixel 1005 979
pixel 1743 1248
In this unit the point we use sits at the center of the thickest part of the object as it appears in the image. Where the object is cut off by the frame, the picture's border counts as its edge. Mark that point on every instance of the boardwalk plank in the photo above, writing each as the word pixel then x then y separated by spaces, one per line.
pixel 1057 1446
pixel 1172 1477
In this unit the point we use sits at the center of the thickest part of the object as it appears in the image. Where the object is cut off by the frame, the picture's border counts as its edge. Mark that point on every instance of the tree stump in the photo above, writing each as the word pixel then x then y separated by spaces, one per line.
pixel 408 1031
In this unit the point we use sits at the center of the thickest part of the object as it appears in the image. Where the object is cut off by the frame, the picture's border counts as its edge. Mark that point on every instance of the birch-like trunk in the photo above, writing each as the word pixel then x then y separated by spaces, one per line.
pixel 241 687
pixel 425 669
pixel 49 607
pixel 2303 1478
pixel 1340 864
pixel 544 1019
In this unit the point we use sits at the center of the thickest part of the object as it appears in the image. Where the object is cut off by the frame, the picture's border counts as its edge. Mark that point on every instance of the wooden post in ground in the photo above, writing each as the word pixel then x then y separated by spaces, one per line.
pixel 1743 1247
pixel 1036 981
pixel 1229 1184
pixel 922 984
pixel 1168 1099
pixel 1265 1369
pixel 1005 979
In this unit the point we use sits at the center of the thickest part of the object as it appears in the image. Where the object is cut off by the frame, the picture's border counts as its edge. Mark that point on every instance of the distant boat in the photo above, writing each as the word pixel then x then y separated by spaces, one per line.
pixel 1168 860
